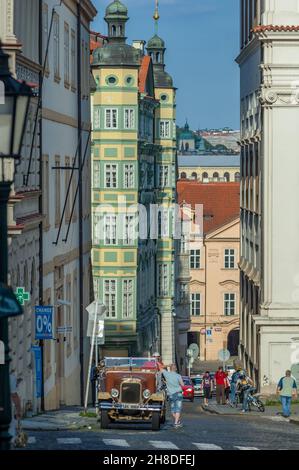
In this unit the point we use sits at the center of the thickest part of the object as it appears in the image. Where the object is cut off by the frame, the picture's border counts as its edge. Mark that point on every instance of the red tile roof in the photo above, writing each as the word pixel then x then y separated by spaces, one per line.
pixel 143 71
pixel 221 201
pixel 271 27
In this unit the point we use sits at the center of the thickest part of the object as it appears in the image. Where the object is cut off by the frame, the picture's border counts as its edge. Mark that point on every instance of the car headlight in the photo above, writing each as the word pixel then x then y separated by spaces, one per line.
pixel 189 389
pixel 146 394
pixel 114 393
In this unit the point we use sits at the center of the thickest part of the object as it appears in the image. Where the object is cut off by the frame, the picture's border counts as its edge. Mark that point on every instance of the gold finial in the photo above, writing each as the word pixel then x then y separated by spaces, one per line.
pixel 156 15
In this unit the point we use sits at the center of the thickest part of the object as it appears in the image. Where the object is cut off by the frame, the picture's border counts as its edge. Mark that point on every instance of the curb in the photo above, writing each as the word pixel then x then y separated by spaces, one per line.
pixel 294 421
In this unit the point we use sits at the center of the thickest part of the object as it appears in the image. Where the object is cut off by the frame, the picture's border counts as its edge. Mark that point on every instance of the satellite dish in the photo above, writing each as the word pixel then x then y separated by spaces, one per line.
pixel 195 350
pixel 224 355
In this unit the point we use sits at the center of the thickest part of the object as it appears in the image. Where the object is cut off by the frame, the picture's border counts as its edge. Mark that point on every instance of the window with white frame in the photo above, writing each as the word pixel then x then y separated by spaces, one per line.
pixel 73 59
pixel 96 117
pixel 111 118
pixel 110 176
pixel 229 259
pixel 45 35
pixel 183 292
pixel 129 229
pixel 129 118
pixel 165 129
pixel 128 298
pixel 163 280
pixel 229 304
pixel 163 222
pixel 194 259
pixel 110 297
pixel 163 176
pixel 56 45
pixel 66 54
pixel 110 229
pixel 96 227
pixel 129 179
pixel 195 304
pixel 96 174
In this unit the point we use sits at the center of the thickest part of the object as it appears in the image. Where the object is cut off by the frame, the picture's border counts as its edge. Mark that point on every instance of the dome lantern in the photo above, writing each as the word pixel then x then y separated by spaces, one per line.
pixel 116 17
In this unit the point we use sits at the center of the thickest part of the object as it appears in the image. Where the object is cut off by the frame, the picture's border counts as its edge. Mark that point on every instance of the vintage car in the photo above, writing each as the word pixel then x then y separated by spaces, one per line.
pixel 131 390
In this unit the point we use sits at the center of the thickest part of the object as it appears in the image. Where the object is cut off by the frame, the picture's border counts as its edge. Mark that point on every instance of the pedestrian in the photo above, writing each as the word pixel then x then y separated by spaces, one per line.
pixel 233 384
pixel 287 389
pixel 220 385
pixel 93 380
pixel 244 386
pixel 16 409
pixel 207 383
pixel 160 366
pixel 174 385
pixel 226 389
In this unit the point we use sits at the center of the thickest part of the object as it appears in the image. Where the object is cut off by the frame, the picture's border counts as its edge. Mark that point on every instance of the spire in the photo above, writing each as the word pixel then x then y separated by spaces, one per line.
pixel 156 17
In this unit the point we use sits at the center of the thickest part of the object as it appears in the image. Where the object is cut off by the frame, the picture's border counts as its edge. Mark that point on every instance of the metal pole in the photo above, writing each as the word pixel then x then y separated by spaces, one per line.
pixel 90 356
pixel 5 401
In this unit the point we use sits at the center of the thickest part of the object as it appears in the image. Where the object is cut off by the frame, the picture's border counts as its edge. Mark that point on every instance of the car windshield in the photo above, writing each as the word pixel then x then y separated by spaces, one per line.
pixel 131 362
pixel 187 381
pixel 197 380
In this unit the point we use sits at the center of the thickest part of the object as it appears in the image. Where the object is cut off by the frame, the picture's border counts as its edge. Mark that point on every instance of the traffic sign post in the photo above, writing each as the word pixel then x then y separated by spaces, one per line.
pixel 44 322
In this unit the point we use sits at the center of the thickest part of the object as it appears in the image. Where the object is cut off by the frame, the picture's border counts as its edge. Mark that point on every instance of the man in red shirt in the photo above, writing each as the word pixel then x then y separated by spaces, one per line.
pixel 220 377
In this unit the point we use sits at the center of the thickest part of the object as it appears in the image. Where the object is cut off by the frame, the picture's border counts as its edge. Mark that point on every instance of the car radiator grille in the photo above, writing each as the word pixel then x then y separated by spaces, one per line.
pixel 130 393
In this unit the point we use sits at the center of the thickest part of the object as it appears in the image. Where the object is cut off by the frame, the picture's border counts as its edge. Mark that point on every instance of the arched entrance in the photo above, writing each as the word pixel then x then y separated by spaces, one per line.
pixel 233 341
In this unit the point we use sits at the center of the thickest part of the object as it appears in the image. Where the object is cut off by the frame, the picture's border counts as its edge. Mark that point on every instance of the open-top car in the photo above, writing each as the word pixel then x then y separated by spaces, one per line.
pixel 130 390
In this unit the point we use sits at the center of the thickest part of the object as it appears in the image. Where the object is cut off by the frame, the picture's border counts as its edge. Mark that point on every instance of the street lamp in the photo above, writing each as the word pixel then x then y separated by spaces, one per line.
pixel 14 105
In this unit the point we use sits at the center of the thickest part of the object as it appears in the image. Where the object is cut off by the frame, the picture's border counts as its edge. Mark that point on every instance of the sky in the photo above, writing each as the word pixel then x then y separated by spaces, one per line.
pixel 202 40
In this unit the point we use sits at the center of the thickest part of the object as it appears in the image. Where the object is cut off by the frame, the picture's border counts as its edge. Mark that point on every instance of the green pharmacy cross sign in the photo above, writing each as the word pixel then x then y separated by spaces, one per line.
pixel 22 296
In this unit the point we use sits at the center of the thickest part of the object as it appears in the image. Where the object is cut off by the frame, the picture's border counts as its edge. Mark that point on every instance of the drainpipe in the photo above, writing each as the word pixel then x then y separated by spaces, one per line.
pixel 206 266
pixel 81 272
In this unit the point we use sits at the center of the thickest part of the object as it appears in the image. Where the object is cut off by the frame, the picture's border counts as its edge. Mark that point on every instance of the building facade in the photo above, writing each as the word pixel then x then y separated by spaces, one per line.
pixel 269 223
pixel 134 170
pixel 214 287
pixel 209 168
pixel 49 211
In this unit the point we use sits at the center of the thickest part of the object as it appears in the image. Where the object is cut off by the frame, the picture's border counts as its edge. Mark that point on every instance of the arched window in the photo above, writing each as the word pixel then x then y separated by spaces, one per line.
pixel 205 176
pixel 216 176
pixel 227 177
pixel 194 176
pixel 183 176
pixel 237 177
pixel 120 30
pixel 113 30
pixel 157 57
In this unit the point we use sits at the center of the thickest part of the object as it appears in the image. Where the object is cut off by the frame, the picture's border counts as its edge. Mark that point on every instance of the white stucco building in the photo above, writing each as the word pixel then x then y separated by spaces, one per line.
pixel 269 263
pixel 49 218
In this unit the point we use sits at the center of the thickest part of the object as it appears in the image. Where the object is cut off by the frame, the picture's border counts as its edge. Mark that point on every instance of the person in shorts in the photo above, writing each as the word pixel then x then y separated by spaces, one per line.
pixel 207 383
pixel 174 384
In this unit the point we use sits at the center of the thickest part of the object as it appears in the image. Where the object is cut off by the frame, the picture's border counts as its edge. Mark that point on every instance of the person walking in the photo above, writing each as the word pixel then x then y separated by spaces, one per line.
pixel 207 383
pixel 287 389
pixel 220 385
pixel 174 384
pixel 93 380
pixel 233 384
pixel 226 389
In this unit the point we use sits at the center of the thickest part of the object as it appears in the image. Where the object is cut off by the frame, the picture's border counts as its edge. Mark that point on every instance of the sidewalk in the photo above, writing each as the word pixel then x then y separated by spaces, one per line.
pixel 271 412
pixel 60 420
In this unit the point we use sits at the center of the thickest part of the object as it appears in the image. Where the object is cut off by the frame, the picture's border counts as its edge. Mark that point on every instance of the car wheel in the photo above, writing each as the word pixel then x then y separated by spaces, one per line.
pixel 105 420
pixel 156 421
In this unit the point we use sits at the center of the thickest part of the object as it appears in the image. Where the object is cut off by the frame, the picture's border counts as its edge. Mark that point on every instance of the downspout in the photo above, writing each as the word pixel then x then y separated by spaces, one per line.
pixel 81 297
pixel 206 270
pixel 40 201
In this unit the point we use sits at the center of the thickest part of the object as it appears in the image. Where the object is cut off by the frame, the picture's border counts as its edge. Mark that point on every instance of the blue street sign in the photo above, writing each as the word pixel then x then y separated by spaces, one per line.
pixel 38 370
pixel 209 332
pixel 44 322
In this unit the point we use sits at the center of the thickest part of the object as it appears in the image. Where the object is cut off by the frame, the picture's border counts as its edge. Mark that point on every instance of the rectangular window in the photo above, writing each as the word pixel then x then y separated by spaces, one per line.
pixel 96 228
pixel 183 292
pixel 96 174
pixel 229 304
pixel 163 176
pixel 57 191
pixel 194 259
pixel 96 117
pixel 73 60
pixel 163 280
pixel 229 259
pixel 46 189
pixel 67 195
pixel 195 305
pixel 110 229
pixel 74 192
pixel 66 54
pixel 129 177
pixel 110 298
pixel 128 298
pixel 56 46
pixel 111 118
pixel 164 129
pixel 110 176
pixel 129 226
pixel 129 119
pixel 45 35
